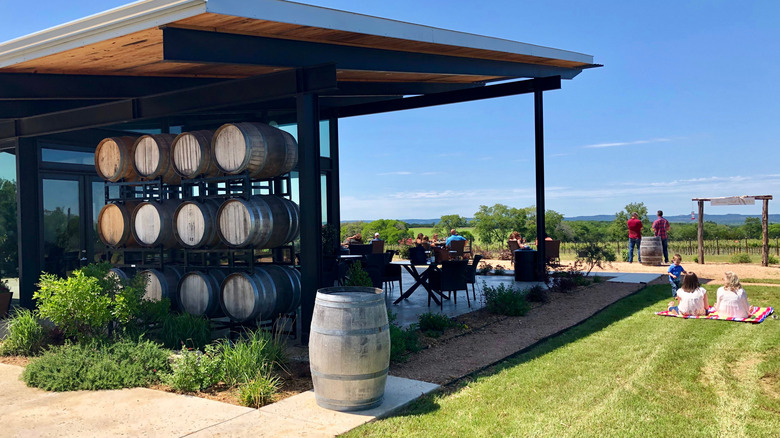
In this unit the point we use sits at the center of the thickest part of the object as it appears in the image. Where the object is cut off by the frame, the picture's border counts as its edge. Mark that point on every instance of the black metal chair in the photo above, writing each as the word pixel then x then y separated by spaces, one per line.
pixel 417 255
pixel 374 264
pixel 471 274
pixel 377 247
pixel 360 249
pixel 392 273
pixel 450 278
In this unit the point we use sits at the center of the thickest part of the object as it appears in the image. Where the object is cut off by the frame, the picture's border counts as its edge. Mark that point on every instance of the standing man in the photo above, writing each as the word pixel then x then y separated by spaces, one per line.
pixel 634 237
pixel 661 228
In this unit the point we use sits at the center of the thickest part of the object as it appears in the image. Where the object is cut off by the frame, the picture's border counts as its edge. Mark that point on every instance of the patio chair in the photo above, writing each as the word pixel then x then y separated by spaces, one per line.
pixel 360 249
pixel 458 246
pixel 392 273
pixel 513 246
pixel 471 274
pixel 417 255
pixel 440 254
pixel 378 247
pixel 450 278
pixel 552 250
pixel 374 264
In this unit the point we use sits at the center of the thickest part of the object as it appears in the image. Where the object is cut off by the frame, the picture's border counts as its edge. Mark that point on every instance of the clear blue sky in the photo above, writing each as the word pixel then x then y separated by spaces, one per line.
pixel 686 105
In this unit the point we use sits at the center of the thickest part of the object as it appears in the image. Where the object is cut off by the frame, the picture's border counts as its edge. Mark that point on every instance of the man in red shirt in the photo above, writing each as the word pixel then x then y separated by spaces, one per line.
pixel 661 229
pixel 634 237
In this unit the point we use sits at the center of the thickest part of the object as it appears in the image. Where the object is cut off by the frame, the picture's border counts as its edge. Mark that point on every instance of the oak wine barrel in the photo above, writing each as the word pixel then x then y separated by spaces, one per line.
pixel 191 155
pixel 198 293
pixel 349 348
pixel 651 251
pixel 259 295
pixel 153 223
pixel 262 221
pixel 118 273
pixel 162 284
pixel 152 158
pixel 114 159
pixel 114 224
pixel 195 224
pixel 260 149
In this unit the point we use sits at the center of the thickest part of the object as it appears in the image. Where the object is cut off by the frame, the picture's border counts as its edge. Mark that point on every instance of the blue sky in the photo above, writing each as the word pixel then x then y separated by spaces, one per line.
pixel 685 106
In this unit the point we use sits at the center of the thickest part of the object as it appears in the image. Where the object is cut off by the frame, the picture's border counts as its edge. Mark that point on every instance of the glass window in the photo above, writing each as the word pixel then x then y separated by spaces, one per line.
pixel 61 230
pixel 68 157
pixel 324 135
pixel 9 245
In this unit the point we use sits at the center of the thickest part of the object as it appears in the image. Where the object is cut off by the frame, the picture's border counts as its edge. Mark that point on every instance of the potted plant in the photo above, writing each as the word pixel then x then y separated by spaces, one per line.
pixel 5 298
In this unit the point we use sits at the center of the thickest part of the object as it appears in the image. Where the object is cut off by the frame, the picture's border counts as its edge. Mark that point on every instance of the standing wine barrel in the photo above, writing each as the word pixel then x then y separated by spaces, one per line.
pixel 198 293
pixel 162 284
pixel 114 159
pixel 247 296
pixel 153 223
pixel 349 348
pixel 260 149
pixel 114 224
pixel 195 224
pixel 651 251
pixel 152 158
pixel 263 221
pixel 191 154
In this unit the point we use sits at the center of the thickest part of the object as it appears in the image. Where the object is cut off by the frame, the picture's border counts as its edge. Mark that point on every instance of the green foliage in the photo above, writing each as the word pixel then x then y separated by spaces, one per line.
pixel 448 222
pixel 594 254
pixel 752 228
pixel 499 270
pixel 77 305
pixel 9 244
pixel 357 276
pixel 97 365
pixel 183 330
pixel 330 240
pixel 193 370
pixel 772 260
pixel 257 350
pixel 493 224
pixel 350 229
pixel 434 324
pixel 484 268
pixel 505 300
pixel 740 258
pixel 390 230
pixel 259 391
pixel 618 229
pixel 537 294
pixel 26 336
pixel 402 341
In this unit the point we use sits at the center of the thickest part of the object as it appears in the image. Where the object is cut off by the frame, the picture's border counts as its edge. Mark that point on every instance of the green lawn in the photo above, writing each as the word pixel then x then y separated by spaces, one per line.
pixel 624 372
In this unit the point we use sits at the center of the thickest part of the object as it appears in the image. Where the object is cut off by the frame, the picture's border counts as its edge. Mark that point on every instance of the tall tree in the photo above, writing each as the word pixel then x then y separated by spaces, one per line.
pixel 390 230
pixel 448 222
pixel 752 228
pixel 493 224
pixel 618 230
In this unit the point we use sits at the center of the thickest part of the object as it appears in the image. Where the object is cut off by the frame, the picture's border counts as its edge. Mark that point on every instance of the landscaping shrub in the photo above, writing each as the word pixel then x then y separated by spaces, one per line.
pixel 740 258
pixel 96 365
pixel 402 341
pixel 537 294
pixel 259 391
pixel 564 283
pixel 183 330
pixel 357 276
pixel 505 300
pixel 434 324
pixel 484 268
pixel 772 260
pixel 624 254
pixel 499 270
pixel 26 336
pixel 594 254
pixel 193 370
pixel 257 350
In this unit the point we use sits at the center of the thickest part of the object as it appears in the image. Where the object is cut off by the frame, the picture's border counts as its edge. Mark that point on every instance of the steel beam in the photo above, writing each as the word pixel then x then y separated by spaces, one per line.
pixel 29 216
pixel 541 256
pixel 197 46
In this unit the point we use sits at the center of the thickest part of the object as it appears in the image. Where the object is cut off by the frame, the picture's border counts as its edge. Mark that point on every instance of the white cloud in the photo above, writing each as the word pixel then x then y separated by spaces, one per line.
pixel 626 143
pixel 400 172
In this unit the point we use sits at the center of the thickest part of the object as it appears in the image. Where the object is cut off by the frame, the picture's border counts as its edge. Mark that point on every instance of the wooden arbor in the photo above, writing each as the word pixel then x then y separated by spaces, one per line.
pixel 737 200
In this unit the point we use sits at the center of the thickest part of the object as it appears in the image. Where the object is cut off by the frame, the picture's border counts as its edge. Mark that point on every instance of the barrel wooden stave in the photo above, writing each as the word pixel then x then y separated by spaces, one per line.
pixel 257 148
pixel 195 224
pixel 114 224
pixel 349 348
pixel 259 295
pixel 262 221
pixel 291 152
pixel 288 287
pixel 162 284
pixel 651 251
pixel 198 293
pixel 114 159
pixel 153 223
pixel 191 154
pixel 152 158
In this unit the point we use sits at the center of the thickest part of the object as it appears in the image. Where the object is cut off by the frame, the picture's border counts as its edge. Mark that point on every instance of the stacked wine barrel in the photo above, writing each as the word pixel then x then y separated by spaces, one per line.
pixel 259 222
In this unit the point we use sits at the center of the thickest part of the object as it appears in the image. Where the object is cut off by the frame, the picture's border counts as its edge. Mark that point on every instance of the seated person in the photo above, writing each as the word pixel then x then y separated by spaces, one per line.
pixel 515 236
pixel 426 243
pixel 357 239
pixel 435 240
pixel 454 236
pixel 376 238
pixel 692 298
pixel 419 240
pixel 732 300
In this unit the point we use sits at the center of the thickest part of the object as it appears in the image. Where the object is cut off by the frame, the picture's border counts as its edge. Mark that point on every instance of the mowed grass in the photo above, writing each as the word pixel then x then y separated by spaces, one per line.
pixel 624 372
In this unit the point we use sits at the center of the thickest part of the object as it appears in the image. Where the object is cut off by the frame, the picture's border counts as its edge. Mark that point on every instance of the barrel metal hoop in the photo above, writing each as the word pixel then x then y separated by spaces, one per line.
pixel 366 331
pixel 346 305
pixel 343 377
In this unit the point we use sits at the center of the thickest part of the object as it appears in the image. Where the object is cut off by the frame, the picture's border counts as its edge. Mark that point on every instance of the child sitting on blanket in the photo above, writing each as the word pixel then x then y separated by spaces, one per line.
pixel 675 270
pixel 691 296
pixel 732 300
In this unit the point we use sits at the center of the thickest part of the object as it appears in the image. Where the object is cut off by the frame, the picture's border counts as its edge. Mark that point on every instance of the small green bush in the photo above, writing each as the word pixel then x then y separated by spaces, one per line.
pixel 402 341
pixel 186 330
pixel 499 270
pixel 259 391
pixel 740 258
pixel 403 252
pixel 357 276
pixel 26 336
pixel 772 260
pixel 193 371
pixel 97 365
pixel 258 350
pixel 537 294
pixel 505 300
pixel 624 254
pixel 484 268
pixel 434 321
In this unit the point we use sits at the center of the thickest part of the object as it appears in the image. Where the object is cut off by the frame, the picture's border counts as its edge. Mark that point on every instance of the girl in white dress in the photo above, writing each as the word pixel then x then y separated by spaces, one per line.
pixel 692 298
pixel 732 300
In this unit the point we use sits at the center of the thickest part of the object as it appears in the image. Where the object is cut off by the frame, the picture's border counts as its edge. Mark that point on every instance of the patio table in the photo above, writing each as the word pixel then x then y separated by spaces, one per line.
pixel 420 279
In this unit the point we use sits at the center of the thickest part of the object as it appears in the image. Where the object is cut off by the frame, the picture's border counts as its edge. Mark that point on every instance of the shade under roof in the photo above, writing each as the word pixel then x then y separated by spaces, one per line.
pixel 240 38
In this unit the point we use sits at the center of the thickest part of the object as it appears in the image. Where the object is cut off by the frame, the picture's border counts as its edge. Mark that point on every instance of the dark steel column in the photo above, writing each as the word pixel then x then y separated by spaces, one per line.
pixel 29 214
pixel 311 210
pixel 541 265
pixel 334 196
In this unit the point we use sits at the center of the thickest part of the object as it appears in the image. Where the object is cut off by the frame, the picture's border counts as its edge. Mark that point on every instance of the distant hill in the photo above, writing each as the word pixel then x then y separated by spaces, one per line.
pixel 726 219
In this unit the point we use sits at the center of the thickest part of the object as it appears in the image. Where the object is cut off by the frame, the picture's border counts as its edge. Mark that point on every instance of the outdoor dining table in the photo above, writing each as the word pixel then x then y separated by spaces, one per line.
pixel 420 279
